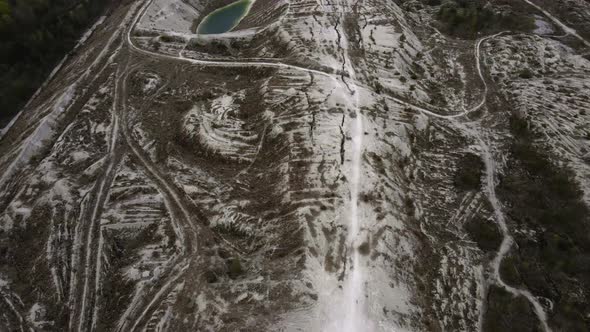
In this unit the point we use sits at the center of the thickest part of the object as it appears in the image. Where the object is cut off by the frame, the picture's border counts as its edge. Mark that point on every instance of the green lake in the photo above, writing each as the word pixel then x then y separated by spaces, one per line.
pixel 225 18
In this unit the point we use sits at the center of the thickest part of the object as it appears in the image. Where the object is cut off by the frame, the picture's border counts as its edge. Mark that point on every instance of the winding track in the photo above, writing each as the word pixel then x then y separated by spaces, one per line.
pixel 508 240
pixel 490 165
pixel 139 310
pixel 356 142
pixel 171 192
pixel 474 130
pixel 82 302
pixel 176 200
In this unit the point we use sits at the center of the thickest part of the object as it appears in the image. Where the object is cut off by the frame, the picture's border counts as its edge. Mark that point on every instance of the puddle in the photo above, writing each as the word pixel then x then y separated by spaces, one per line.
pixel 542 27
pixel 225 18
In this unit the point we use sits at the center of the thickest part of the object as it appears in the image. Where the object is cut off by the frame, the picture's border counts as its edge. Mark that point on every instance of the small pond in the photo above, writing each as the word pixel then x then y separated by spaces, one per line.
pixel 225 18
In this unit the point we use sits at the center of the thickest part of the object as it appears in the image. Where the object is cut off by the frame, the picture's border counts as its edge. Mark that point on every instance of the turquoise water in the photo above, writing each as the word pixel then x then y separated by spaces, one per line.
pixel 225 18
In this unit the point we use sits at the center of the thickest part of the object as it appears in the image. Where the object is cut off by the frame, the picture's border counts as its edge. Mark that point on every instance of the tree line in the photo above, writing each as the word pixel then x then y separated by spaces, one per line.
pixel 34 36
pixel 466 18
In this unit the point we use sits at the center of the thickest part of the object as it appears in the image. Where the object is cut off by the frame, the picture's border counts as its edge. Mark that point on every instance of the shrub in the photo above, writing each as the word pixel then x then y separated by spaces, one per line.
pixel 465 18
pixel 234 267
pixel 525 73
pixel 469 172
pixel 484 233
pixel 171 39
pixel 509 271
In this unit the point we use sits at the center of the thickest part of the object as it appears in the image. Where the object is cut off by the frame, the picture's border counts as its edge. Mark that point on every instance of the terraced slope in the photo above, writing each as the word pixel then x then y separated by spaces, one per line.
pixel 325 166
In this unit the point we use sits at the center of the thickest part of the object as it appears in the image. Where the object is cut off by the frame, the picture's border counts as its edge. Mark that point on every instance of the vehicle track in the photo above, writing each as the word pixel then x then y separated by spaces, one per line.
pixel 508 240
pixel 179 212
pixel 357 142
pixel 176 202
pixel 84 301
pixel 17 314
pixel 474 130
pixel 277 64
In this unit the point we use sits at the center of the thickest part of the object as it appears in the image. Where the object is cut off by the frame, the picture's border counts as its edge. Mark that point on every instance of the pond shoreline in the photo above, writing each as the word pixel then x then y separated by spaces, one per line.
pixel 224 19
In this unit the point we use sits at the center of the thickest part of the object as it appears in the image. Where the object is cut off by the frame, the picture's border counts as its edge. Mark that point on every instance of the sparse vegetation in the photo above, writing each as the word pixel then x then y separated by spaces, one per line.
pixel 117 289
pixel 24 269
pixel 247 176
pixel 544 199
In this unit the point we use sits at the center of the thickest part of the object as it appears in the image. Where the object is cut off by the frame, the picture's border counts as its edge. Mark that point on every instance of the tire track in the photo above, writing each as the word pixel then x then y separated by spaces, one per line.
pixel 175 200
